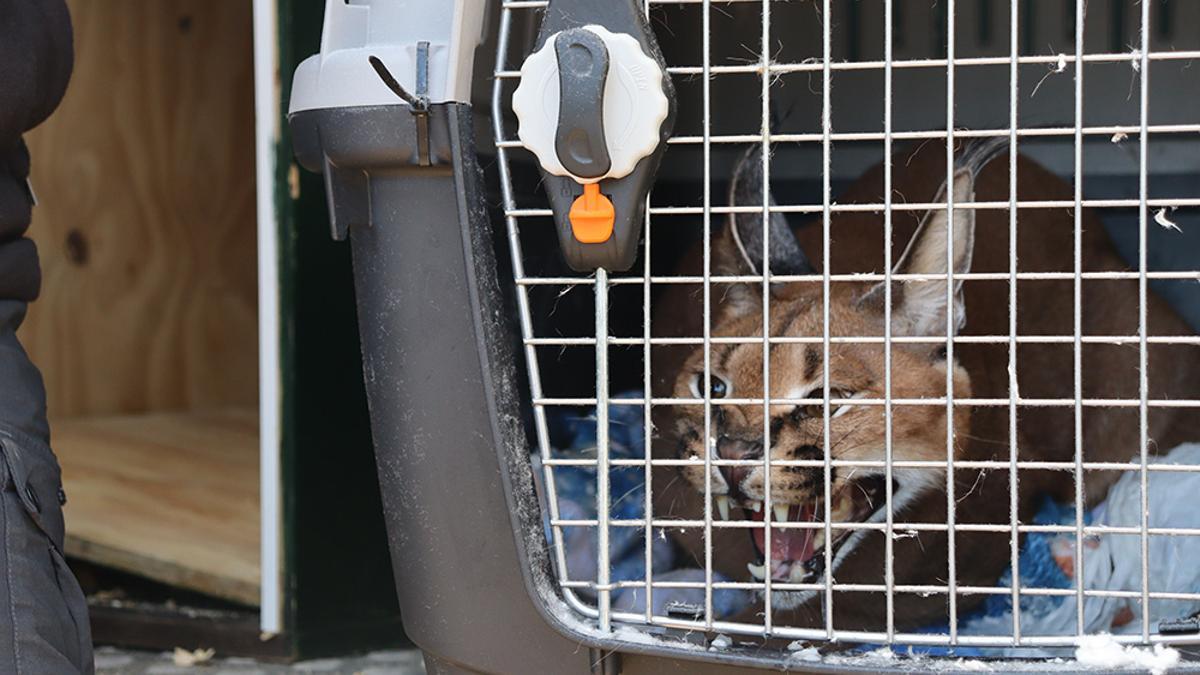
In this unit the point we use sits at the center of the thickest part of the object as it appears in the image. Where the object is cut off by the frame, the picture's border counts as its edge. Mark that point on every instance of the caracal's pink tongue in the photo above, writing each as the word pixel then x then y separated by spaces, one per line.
pixel 787 544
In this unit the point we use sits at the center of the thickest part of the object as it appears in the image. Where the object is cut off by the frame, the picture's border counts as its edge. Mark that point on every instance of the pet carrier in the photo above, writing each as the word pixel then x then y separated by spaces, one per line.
pixel 747 440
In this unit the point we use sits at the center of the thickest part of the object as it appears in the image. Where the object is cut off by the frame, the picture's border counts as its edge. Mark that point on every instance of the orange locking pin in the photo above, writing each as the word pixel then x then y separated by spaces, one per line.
pixel 592 216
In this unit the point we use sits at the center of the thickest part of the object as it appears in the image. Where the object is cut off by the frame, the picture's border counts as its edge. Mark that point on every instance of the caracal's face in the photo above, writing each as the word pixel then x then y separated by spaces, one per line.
pixel 797 431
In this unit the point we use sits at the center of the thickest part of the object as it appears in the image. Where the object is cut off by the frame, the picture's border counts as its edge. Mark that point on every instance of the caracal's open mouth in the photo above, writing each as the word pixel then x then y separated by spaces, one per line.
pixel 798 553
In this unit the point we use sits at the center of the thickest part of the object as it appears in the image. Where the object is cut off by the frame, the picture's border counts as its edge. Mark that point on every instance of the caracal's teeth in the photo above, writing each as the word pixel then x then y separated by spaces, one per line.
pixel 797 574
pixel 781 512
pixel 818 540
pixel 756 505
pixel 723 506
pixel 757 571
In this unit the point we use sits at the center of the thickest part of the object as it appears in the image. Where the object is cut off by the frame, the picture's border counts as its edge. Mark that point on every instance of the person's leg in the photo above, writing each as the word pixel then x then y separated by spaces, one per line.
pixel 43 614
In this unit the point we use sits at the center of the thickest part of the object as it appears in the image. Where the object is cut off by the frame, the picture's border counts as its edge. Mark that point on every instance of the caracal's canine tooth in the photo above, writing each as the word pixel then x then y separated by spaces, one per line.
pixel 781 512
pixel 757 571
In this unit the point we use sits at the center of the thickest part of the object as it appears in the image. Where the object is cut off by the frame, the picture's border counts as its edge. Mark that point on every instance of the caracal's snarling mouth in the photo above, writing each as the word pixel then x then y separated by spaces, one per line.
pixel 798 535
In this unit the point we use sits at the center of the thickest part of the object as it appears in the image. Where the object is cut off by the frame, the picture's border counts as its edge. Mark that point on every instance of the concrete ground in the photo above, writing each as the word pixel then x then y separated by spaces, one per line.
pixel 110 661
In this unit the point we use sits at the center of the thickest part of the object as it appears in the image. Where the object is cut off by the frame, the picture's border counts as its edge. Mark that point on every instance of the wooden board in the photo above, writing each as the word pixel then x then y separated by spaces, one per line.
pixel 173 497
pixel 146 215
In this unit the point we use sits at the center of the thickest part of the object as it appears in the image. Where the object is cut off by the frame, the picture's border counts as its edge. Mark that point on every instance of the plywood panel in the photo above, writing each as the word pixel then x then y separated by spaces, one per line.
pixel 146 221
pixel 173 497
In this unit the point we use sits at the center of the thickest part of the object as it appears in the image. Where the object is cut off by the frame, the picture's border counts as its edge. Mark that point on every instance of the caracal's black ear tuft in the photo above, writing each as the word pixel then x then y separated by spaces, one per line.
pixel 746 229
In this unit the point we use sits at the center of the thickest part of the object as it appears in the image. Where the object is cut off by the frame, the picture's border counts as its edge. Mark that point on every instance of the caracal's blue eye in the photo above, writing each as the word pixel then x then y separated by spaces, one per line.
pixel 718 387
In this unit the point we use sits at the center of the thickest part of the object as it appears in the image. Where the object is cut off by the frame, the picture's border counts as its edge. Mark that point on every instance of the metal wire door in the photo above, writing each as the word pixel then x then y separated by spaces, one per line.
pixel 592 598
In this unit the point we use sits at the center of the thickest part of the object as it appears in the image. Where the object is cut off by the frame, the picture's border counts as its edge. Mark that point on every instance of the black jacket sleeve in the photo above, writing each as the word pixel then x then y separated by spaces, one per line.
pixel 36 57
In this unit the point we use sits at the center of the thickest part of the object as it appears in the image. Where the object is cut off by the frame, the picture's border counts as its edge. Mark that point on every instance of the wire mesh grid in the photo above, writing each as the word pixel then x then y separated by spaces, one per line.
pixel 592 595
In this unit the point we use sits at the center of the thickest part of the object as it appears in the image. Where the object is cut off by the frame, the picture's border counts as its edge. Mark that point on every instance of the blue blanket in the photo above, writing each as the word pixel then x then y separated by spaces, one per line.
pixel 573 435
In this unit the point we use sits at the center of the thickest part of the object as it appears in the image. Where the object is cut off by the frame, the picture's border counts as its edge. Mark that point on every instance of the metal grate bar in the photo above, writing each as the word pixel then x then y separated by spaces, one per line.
pixel 826 218
pixel 901 588
pixel 1077 323
pixel 864 276
pixel 706 390
pixel 882 527
pixel 647 408
pixel 844 136
pixel 813 67
pixel 603 563
pixel 896 339
pixel 951 329
pixel 931 401
pixel 889 554
pixel 877 208
pixel 1014 463
pixel 1143 353
pixel 899 464
pixel 765 156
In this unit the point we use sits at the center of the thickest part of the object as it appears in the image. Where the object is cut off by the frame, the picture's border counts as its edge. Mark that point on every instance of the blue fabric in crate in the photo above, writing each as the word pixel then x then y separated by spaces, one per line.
pixel 573 435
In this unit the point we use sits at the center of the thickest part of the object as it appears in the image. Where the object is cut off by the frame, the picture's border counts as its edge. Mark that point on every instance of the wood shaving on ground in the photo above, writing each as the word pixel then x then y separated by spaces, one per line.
pixel 185 658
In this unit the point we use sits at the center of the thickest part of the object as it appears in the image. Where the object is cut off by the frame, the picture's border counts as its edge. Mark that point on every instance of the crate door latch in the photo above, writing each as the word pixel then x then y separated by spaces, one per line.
pixel 595 107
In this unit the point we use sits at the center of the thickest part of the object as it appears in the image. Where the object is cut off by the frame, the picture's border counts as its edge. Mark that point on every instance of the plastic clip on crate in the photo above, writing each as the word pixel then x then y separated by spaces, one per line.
pixel 595 106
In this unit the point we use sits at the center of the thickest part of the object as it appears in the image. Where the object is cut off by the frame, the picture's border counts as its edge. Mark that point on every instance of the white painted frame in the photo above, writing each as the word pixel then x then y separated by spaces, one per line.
pixel 267 112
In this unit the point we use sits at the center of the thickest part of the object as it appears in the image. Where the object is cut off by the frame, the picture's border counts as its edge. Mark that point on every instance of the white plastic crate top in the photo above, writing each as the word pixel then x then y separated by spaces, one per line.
pixel 342 77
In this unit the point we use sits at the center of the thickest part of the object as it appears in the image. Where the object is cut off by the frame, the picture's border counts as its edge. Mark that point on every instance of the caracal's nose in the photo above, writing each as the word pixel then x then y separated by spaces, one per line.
pixel 736 448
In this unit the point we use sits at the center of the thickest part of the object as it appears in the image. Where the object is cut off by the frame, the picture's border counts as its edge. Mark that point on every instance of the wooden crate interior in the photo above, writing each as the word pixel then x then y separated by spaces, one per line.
pixel 146 330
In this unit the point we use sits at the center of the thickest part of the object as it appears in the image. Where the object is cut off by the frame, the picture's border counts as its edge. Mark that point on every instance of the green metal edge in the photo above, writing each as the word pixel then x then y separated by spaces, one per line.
pixel 339 593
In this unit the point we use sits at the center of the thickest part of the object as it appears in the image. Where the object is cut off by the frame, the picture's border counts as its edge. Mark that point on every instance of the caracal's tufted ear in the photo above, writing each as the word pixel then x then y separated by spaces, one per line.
pixel 920 307
pixel 739 248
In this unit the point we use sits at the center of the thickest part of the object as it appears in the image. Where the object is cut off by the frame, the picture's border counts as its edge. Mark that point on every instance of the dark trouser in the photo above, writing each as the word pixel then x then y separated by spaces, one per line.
pixel 43 615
